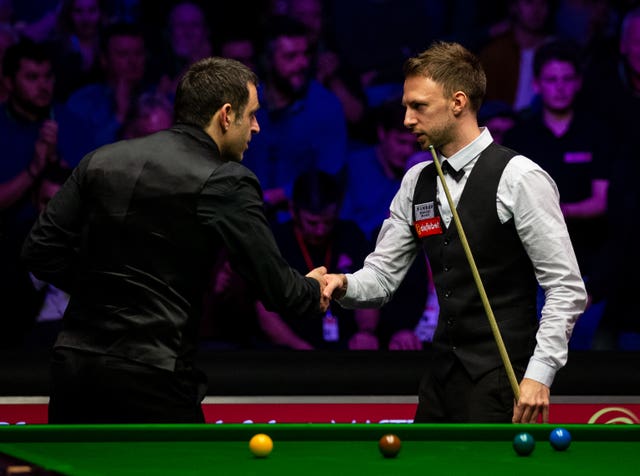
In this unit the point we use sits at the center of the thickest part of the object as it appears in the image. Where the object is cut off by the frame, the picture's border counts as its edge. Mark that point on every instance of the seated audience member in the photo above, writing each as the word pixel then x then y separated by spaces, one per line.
pixel 329 68
pixel 498 117
pixel 34 19
pixel 8 36
pixel 615 281
pixel 508 58
pixel 230 319
pixel 47 320
pixel 240 47
pixel 374 173
pixel 593 24
pixel 408 321
pixel 373 38
pixel 77 45
pixel 573 146
pixel 302 124
pixel 34 132
pixel 151 112
pixel 105 105
pixel 188 41
pixel 317 237
pixel 619 77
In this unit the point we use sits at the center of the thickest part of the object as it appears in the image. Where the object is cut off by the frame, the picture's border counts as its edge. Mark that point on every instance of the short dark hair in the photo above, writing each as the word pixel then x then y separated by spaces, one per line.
pixel 118 29
pixel 315 190
pixel 207 86
pixel 565 51
pixel 452 66
pixel 390 115
pixel 277 27
pixel 283 25
pixel 24 49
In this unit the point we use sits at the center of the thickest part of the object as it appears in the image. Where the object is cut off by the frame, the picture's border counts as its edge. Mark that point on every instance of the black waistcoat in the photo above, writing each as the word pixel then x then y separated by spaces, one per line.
pixel 503 265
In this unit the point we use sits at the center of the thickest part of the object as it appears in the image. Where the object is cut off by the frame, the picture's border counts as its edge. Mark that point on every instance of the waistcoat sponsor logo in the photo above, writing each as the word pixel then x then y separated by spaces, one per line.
pixel 430 226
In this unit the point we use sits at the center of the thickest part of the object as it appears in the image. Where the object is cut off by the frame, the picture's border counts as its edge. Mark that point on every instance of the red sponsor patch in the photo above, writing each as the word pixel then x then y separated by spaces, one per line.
pixel 430 226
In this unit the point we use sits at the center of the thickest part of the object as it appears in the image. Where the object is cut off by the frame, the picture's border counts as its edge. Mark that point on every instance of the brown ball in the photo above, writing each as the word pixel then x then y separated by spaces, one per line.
pixel 389 445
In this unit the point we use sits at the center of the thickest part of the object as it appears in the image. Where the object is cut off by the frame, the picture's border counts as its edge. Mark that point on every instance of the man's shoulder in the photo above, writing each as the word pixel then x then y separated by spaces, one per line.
pixel 362 156
pixel 318 95
pixel 87 97
pixel 7 123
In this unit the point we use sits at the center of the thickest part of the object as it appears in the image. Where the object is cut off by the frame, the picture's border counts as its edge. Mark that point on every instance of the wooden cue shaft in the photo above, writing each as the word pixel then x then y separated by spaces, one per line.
pixel 476 276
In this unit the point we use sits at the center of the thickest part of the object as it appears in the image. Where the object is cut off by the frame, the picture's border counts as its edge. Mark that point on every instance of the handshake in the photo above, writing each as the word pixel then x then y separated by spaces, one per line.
pixel 332 286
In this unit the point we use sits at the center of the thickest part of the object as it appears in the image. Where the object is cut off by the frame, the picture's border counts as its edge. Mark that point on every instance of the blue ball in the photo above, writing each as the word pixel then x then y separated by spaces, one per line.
pixel 524 444
pixel 560 439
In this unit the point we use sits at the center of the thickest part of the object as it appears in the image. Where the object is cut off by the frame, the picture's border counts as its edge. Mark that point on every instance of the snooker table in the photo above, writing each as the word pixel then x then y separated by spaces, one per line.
pixel 316 449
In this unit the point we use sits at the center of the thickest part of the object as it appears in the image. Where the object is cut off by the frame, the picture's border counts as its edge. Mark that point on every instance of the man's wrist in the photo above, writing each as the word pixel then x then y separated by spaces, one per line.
pixel 343 286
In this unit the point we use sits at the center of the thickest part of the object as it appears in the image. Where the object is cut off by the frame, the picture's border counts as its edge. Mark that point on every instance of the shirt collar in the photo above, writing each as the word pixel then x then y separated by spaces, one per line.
pixel 197 133
pixel 465 156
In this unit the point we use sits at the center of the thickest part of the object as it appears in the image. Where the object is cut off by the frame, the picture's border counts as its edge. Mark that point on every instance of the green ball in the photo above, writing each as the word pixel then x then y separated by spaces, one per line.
pixel 523 444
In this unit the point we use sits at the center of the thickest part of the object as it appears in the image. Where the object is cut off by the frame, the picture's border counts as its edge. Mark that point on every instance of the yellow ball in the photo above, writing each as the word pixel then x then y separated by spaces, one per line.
pixel 261 445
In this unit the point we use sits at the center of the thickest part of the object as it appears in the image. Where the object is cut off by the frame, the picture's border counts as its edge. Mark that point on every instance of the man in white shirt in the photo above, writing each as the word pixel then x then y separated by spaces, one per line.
pixel 509 208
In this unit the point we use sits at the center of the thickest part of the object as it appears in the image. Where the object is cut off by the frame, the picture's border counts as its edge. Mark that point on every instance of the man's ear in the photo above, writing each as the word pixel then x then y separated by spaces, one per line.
pixel 225 117
pixel 459 102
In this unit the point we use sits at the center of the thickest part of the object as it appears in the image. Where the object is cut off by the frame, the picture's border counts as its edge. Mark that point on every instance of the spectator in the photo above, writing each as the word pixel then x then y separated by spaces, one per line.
pixel 34 134
pixel 615 282
pixel 330 69
pixel 378 168
pixel 508 58
pixel 316 237
pixel 571 145
pixel 34 131
pixel 188 41
pixel 46 322
pixel 35 19
pixel 619 76
pixel 6 12
pixel 8 37
pixel 77 46
pixel 105 105
pixel 230 318
pixel 381 167
pixel 151 112
pixel 357 27
pixel 240 47
pixel 592 24
pixel 303 124
pixel 468 22
pixel 498 117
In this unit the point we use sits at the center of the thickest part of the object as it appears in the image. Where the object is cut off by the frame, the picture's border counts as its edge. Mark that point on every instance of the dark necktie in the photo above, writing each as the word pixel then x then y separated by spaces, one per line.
pixel 449 170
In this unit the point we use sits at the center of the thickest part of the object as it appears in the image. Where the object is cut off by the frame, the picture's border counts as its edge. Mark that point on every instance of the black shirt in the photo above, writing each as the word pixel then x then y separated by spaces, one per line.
pixel 133 234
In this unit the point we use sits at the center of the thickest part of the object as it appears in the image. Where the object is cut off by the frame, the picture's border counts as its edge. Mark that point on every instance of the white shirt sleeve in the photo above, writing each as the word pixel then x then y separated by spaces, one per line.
pixel 396 248
pixel 529 195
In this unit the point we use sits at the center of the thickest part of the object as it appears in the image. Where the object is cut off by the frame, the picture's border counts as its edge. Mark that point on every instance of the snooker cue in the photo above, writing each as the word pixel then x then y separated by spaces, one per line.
pixel 476 276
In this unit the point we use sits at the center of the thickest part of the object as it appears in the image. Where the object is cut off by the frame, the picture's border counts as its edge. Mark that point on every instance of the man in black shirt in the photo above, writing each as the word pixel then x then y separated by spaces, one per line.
pixel 132 236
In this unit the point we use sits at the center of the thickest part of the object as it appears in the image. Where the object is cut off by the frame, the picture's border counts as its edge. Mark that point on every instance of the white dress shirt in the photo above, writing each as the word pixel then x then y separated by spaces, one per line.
pixel 525 193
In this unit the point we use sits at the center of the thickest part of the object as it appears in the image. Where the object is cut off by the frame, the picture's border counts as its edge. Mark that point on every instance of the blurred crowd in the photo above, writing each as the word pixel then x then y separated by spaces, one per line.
pixel 563 88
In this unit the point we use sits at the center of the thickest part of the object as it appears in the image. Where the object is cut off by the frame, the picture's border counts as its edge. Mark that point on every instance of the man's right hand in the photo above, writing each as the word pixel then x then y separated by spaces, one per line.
pixel 336 286
pixel 45 149
pixel 319 274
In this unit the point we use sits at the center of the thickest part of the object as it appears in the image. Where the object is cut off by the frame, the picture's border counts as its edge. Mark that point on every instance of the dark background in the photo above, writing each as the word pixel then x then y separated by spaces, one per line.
pixel 254 373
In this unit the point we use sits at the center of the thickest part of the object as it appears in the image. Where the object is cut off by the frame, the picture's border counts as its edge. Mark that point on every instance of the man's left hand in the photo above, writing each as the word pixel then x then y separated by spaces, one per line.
pixel 533 402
